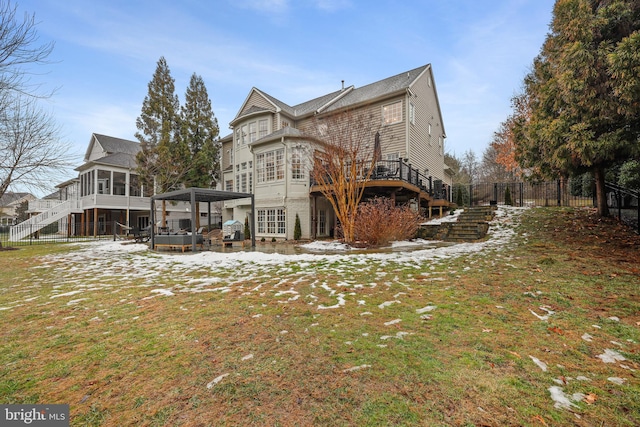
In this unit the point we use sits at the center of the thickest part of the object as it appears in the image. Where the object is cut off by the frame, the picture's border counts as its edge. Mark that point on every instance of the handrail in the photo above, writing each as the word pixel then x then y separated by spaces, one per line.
pixel 38 222
pixel 623 190
pixel 399 170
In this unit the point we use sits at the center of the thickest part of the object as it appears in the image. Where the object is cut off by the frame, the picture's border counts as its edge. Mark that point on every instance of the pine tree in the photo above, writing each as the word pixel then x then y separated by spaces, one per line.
pixel 199 132
pixel 587 66
pixel 161 160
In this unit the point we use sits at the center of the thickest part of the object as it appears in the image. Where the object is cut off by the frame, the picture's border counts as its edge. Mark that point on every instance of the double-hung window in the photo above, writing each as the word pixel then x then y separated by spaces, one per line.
pixel 263 128
pixel 297 171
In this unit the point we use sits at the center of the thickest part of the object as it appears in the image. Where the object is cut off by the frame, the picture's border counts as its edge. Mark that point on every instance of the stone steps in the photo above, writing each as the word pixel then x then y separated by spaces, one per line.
pixel 472 225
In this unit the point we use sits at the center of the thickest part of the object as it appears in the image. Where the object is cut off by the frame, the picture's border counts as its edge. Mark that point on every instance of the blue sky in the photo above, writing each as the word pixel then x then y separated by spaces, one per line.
pixel 106 52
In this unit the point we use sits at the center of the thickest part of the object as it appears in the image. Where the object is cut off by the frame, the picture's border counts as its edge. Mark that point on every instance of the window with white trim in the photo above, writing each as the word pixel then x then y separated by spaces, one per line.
pixel 243 182
pixel 270 166
pixel 252 132
pixel 392 113
pixel 260 169
pixel 322 222
pixel 297 171
pixel 271 221
pixel 263 128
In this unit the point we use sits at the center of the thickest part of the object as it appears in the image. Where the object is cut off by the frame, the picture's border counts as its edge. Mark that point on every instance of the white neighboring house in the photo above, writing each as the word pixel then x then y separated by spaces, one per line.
pixel 263 154
pixel 107 192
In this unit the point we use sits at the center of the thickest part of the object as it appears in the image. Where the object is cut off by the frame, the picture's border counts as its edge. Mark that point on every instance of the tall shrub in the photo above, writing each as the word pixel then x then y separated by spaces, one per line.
pixel 297 230
pixel 507 197
pixel 247 229
pixel 379 222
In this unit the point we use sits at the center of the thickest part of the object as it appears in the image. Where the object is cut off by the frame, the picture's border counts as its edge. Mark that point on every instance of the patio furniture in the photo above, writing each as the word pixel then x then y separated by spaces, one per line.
pixel 177 241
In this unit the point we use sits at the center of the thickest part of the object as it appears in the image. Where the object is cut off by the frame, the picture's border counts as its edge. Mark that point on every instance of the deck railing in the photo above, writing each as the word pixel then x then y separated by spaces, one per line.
pixel 399 170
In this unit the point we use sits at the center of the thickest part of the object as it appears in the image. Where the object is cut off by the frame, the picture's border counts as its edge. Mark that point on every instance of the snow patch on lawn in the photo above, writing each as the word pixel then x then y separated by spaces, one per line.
pixel 611 356
pixel 216 380
pixel 562 401
pixel 540 363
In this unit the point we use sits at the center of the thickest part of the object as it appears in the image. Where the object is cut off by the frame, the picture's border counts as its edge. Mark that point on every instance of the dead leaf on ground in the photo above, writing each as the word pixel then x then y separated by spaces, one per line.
pixel 556 330
pixel 590 398
pixel 539 418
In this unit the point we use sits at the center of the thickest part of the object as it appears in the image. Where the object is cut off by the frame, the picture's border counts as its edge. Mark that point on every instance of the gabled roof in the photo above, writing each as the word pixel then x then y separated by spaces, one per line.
pixel 389 86
pixel 10 197
pixel 339 99
pixel 117 152
pixel 111 145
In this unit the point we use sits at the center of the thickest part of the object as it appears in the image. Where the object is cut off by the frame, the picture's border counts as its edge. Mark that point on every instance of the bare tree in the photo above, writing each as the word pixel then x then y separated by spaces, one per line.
pixel 19 48
pixel 492 169
pixel 470 165
pixel 31 152
pixel 344 156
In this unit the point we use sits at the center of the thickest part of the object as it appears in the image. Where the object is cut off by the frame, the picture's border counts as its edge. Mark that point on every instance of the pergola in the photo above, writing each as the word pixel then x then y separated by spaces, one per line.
pixel 196 195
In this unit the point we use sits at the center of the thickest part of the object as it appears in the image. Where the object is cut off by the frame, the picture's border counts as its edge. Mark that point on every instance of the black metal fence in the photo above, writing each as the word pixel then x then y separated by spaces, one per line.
pixel 61 231
pixel 554 193
pixel 57 232
pixel 577 192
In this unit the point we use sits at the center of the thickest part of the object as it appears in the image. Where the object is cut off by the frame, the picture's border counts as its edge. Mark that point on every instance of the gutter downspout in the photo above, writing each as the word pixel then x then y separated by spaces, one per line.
pixel 286 187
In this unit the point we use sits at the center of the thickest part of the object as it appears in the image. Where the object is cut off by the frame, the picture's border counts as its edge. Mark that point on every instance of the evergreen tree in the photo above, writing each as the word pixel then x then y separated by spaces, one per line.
pixel 247 229
pixel 577 122
pixel 200 132
pixel 507 197
pixel 161 160
pixel 297 230
pixel 21 212
pixel 459 199
pixel 630 175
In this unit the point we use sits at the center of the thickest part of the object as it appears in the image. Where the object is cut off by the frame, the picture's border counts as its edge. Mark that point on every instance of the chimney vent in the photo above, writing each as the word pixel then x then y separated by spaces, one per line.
pixel 343 85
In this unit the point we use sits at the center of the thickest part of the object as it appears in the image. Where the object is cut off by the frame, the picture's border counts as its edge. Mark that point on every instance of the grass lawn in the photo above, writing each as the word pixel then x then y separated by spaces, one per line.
pixel 541 328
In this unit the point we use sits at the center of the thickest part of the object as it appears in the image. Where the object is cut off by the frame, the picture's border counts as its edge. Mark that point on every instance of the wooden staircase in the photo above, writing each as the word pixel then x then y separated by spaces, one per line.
pixel 472 224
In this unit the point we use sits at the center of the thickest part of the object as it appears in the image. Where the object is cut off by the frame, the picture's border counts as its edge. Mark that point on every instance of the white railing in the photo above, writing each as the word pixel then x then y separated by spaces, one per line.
pixel 38 222
pixel 41 205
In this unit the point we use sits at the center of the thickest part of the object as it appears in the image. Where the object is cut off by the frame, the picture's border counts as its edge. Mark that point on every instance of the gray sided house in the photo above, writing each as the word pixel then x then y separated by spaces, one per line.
pixel 263 153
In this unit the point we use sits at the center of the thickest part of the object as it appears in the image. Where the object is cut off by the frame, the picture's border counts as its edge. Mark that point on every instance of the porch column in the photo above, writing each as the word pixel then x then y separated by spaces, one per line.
pixel 95 222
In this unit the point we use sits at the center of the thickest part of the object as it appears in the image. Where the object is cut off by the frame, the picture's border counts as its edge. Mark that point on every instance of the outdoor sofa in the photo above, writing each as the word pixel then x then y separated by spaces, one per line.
pixel 183 241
